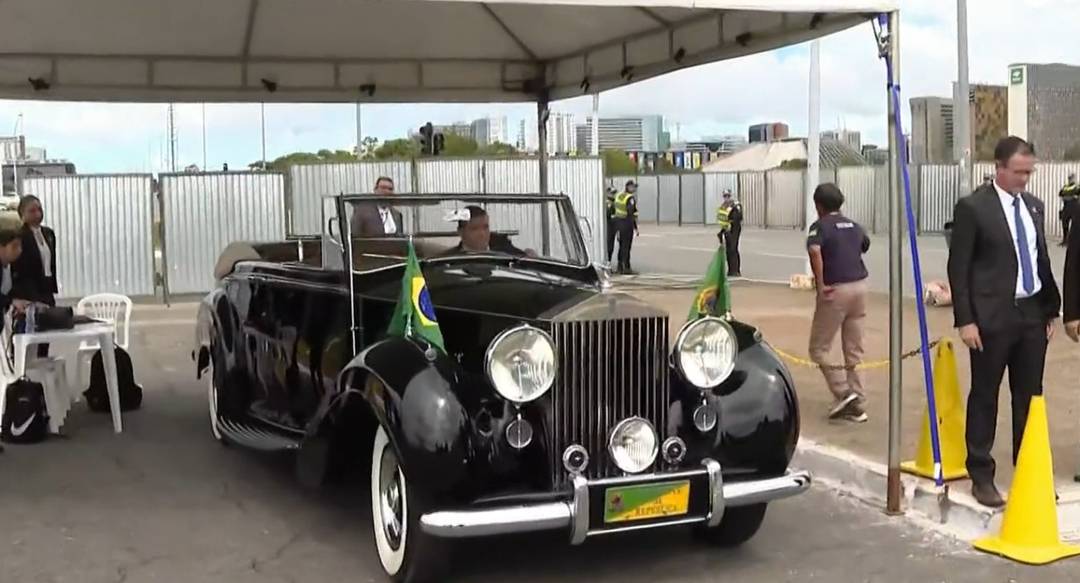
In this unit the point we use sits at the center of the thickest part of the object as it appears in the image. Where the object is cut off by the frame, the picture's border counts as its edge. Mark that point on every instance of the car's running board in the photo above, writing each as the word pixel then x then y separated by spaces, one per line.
pixel 255 437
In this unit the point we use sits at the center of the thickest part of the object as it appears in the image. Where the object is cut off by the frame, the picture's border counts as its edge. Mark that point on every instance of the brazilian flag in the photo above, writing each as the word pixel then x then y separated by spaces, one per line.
pixel 415 314
pixel 713 297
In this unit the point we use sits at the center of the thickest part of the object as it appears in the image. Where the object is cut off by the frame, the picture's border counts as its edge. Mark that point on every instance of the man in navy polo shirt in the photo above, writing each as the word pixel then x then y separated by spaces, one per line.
pixel 836 245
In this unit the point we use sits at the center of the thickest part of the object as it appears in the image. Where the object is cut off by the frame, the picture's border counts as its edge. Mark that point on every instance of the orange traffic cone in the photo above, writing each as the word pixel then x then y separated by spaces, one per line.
pixel 1029 530
pixel 950 412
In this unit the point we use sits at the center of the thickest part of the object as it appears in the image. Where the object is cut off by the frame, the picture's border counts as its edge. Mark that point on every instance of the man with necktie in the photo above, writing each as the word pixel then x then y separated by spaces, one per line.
pixel 375 220
pixel 1005 303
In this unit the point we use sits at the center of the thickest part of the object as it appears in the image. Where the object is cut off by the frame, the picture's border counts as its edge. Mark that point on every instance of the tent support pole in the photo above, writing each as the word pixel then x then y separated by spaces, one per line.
pixel 541 131
pixel 896 282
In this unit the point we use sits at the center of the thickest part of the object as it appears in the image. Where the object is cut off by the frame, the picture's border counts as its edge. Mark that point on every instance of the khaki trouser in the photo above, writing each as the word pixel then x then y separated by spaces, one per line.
pixel 845 312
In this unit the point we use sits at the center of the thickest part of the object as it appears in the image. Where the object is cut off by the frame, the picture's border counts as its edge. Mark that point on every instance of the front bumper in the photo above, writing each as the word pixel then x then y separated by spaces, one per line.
pixel 575 515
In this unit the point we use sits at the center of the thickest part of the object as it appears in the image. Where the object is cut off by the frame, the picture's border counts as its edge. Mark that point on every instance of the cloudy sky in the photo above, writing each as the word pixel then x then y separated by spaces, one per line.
pixel 713 99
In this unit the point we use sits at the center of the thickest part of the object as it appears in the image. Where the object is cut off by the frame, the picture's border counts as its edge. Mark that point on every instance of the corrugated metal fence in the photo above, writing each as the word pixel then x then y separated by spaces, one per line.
pixel 776 199
pixel 104 232
pixel 203 213
pixel 107 224
pixel 309 183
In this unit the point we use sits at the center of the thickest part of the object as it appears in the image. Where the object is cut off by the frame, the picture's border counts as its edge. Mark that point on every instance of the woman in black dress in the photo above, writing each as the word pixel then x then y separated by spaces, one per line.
pixel 34 273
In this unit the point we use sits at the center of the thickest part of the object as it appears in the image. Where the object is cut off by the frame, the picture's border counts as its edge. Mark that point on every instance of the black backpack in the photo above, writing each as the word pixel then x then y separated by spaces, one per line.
pixel 97 396
pixel 25 418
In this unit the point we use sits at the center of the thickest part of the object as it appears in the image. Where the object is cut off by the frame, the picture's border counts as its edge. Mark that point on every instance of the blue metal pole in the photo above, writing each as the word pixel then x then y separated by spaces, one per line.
pixel 935 443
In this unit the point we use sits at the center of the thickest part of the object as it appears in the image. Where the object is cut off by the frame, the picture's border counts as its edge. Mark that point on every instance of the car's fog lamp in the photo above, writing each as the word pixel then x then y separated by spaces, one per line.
pixel 633 445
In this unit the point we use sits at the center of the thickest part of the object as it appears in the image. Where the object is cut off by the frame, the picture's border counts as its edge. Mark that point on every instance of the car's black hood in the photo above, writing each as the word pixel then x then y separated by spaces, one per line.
pixel 525 290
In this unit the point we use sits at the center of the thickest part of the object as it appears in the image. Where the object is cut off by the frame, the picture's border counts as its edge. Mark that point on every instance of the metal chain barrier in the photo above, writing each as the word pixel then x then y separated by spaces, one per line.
pixel 861 366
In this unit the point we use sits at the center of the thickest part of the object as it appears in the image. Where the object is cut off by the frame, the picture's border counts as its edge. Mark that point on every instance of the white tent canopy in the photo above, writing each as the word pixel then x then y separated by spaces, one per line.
pixel 384 50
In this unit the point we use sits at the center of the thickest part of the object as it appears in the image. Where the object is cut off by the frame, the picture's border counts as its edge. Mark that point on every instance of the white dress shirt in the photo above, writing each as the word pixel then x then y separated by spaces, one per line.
pixel 389 226
pixel 43 249
pixel 1032 238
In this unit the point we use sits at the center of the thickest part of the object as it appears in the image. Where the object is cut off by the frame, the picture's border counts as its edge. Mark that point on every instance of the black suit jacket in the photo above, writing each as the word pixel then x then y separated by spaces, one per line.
pixel 983 265
pixel 367 222
pixel 498 243
pixel 28 272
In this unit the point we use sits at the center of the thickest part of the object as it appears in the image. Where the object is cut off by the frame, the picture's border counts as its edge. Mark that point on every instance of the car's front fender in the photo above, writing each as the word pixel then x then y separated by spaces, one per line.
pixel 757 410
pixel 410 392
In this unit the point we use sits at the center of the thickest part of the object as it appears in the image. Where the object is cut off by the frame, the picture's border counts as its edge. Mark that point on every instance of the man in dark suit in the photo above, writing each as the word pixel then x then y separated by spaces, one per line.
pixel 476 237
pixel 1005 302
pixel 374 220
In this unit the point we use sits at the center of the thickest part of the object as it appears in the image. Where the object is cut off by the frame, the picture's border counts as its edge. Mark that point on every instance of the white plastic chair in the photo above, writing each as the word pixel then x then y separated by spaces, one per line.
pixel 113 309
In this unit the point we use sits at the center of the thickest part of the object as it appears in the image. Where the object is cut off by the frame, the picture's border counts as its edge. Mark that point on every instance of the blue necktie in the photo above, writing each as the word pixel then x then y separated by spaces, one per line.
pixel 1022 245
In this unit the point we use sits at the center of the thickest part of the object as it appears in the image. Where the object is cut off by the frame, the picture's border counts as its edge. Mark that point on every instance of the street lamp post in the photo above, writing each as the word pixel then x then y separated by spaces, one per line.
pixel 963 103
pixel 15 158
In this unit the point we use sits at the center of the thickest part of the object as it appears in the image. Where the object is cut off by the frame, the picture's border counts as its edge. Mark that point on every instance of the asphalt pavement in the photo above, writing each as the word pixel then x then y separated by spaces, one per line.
pixel 774 255
pixel 162 502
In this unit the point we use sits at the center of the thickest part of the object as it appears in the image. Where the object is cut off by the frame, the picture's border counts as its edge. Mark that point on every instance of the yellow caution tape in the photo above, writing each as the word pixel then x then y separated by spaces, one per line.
pixel 861 366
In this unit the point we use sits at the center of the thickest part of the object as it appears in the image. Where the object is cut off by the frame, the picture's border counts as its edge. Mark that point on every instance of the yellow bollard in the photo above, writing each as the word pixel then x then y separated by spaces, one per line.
pixel 1029 530
pixel 950 410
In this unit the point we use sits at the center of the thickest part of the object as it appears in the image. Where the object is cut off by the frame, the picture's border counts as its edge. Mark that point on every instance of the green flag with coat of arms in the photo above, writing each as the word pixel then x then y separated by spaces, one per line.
pixel 414 315
pixel 713 297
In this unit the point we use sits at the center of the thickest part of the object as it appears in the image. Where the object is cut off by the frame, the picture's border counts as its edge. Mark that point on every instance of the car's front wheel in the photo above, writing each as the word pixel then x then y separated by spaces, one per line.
pixel 407 554
pixel 738 525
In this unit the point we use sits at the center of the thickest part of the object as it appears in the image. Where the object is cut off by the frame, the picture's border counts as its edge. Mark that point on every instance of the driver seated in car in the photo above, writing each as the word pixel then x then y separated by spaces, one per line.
pixel 476 236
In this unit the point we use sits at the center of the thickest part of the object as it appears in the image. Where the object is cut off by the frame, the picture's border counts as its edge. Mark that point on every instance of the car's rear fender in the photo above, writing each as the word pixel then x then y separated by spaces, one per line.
pixel 409 391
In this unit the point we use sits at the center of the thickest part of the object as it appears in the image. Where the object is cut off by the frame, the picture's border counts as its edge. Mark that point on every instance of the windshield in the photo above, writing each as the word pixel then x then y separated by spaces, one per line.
pixel 448 226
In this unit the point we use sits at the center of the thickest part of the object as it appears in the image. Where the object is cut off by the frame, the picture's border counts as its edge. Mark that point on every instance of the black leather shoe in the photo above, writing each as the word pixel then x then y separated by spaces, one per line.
pixel 987 495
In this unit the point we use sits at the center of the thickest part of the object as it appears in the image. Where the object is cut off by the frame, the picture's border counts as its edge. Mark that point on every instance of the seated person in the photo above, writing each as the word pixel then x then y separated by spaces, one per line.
pixel 476 237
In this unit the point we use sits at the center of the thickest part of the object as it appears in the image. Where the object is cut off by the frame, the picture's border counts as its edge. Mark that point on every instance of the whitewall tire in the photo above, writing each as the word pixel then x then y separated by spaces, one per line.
pixel 406 554
pixel 212 398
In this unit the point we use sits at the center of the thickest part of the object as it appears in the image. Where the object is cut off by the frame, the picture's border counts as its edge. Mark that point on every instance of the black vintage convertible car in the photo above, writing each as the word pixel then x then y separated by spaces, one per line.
pixel 557 404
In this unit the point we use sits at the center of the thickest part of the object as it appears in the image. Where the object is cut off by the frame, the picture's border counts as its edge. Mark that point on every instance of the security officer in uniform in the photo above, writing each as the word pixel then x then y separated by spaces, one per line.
pixel 729 216
pixel 625 213
pixel 612 226
pixel 1070 194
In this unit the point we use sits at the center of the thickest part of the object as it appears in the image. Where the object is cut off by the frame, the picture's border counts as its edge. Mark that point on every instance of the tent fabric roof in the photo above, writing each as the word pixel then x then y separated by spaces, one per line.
pixel 766 156
pixel 384 50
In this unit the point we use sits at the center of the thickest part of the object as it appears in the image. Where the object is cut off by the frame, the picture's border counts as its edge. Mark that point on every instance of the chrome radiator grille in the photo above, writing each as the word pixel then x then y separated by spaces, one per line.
pixel 608 370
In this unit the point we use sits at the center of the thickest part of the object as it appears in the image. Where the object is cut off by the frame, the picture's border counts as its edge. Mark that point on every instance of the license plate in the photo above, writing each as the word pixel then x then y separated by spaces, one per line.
pixel 646 501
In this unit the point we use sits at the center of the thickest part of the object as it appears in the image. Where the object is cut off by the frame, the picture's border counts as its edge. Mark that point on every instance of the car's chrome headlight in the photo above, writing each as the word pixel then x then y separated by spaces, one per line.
pixel 521 364
pixel 633 445
pixel 705 352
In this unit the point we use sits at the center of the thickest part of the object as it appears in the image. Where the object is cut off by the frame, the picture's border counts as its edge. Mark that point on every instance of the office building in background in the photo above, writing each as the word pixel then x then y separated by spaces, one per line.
pixel 989 119
pixel 628 134
pixel 1044 108
pixel 932 130
pixel 489 130
pixel 768 132
pixel 562 137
